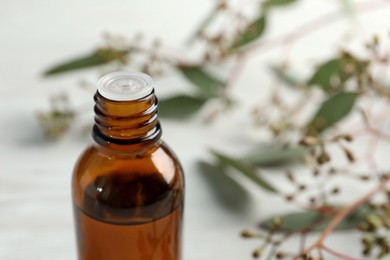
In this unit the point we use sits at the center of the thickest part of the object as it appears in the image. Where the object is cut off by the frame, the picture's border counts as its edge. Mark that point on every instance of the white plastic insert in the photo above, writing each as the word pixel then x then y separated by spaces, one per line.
pixel 125 86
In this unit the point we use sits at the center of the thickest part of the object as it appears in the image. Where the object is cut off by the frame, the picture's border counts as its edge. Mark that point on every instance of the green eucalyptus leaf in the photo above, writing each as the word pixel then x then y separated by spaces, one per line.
pixel 332 74
pixel 278 2
pixel 208 85
pixel 286 76
pixel 385 257
pixel 180 106
pixel 251 33
pixel 295 221
pixel 326 73
pixel 246 169
pixel 99 57
pixel 227 191
pixel 274 156
pixel 316 221
pixel 332 111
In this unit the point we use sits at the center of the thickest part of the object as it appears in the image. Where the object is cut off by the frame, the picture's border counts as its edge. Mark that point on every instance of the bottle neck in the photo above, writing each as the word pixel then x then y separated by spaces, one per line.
pixel 126 123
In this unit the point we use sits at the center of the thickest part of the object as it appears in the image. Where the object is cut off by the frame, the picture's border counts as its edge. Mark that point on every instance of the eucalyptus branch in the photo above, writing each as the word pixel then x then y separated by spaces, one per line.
pixel 310 27
pixel 338 254
pixel 342 214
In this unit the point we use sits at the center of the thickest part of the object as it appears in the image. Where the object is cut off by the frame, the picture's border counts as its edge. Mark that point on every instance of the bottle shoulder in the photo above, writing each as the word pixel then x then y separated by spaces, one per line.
pixel 169 151
pixel 98 158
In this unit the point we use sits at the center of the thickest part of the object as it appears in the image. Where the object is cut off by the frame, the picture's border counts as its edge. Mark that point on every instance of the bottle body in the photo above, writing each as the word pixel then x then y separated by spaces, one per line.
pixel 128 206
pixel 128 187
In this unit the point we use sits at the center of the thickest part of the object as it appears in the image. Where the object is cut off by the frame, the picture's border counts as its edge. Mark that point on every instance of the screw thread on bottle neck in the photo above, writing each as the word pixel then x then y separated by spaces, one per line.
pixel 126 122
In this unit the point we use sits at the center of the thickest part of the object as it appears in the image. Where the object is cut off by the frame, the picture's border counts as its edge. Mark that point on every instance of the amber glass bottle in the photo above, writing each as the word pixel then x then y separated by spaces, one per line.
pixel 127 187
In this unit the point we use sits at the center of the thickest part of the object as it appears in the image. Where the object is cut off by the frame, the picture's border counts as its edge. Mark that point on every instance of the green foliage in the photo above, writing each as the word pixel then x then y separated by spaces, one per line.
pixel 332 111
pixel 325 73
pixel 252 32
pixel 208 85
pixel 278 2
pixel 275 156
pixel 180 106
pixel 315 221
pixel 183 106
pixel 227 190
pixel 332 74
pixel 99 57
pixel 246 169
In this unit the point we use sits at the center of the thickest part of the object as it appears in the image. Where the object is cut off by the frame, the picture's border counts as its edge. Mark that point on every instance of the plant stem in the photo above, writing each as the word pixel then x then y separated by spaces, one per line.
pixel 338 254
pixel 347 210
pixel 302 241
pixel 272 253
pixel 209 18
pixel 343 213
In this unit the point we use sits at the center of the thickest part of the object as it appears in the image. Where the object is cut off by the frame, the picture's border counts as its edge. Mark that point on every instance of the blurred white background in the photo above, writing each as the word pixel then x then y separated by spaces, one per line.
pixel 35 205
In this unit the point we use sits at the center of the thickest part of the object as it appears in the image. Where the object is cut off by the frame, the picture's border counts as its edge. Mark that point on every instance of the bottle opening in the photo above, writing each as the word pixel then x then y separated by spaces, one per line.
pixel 125 86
